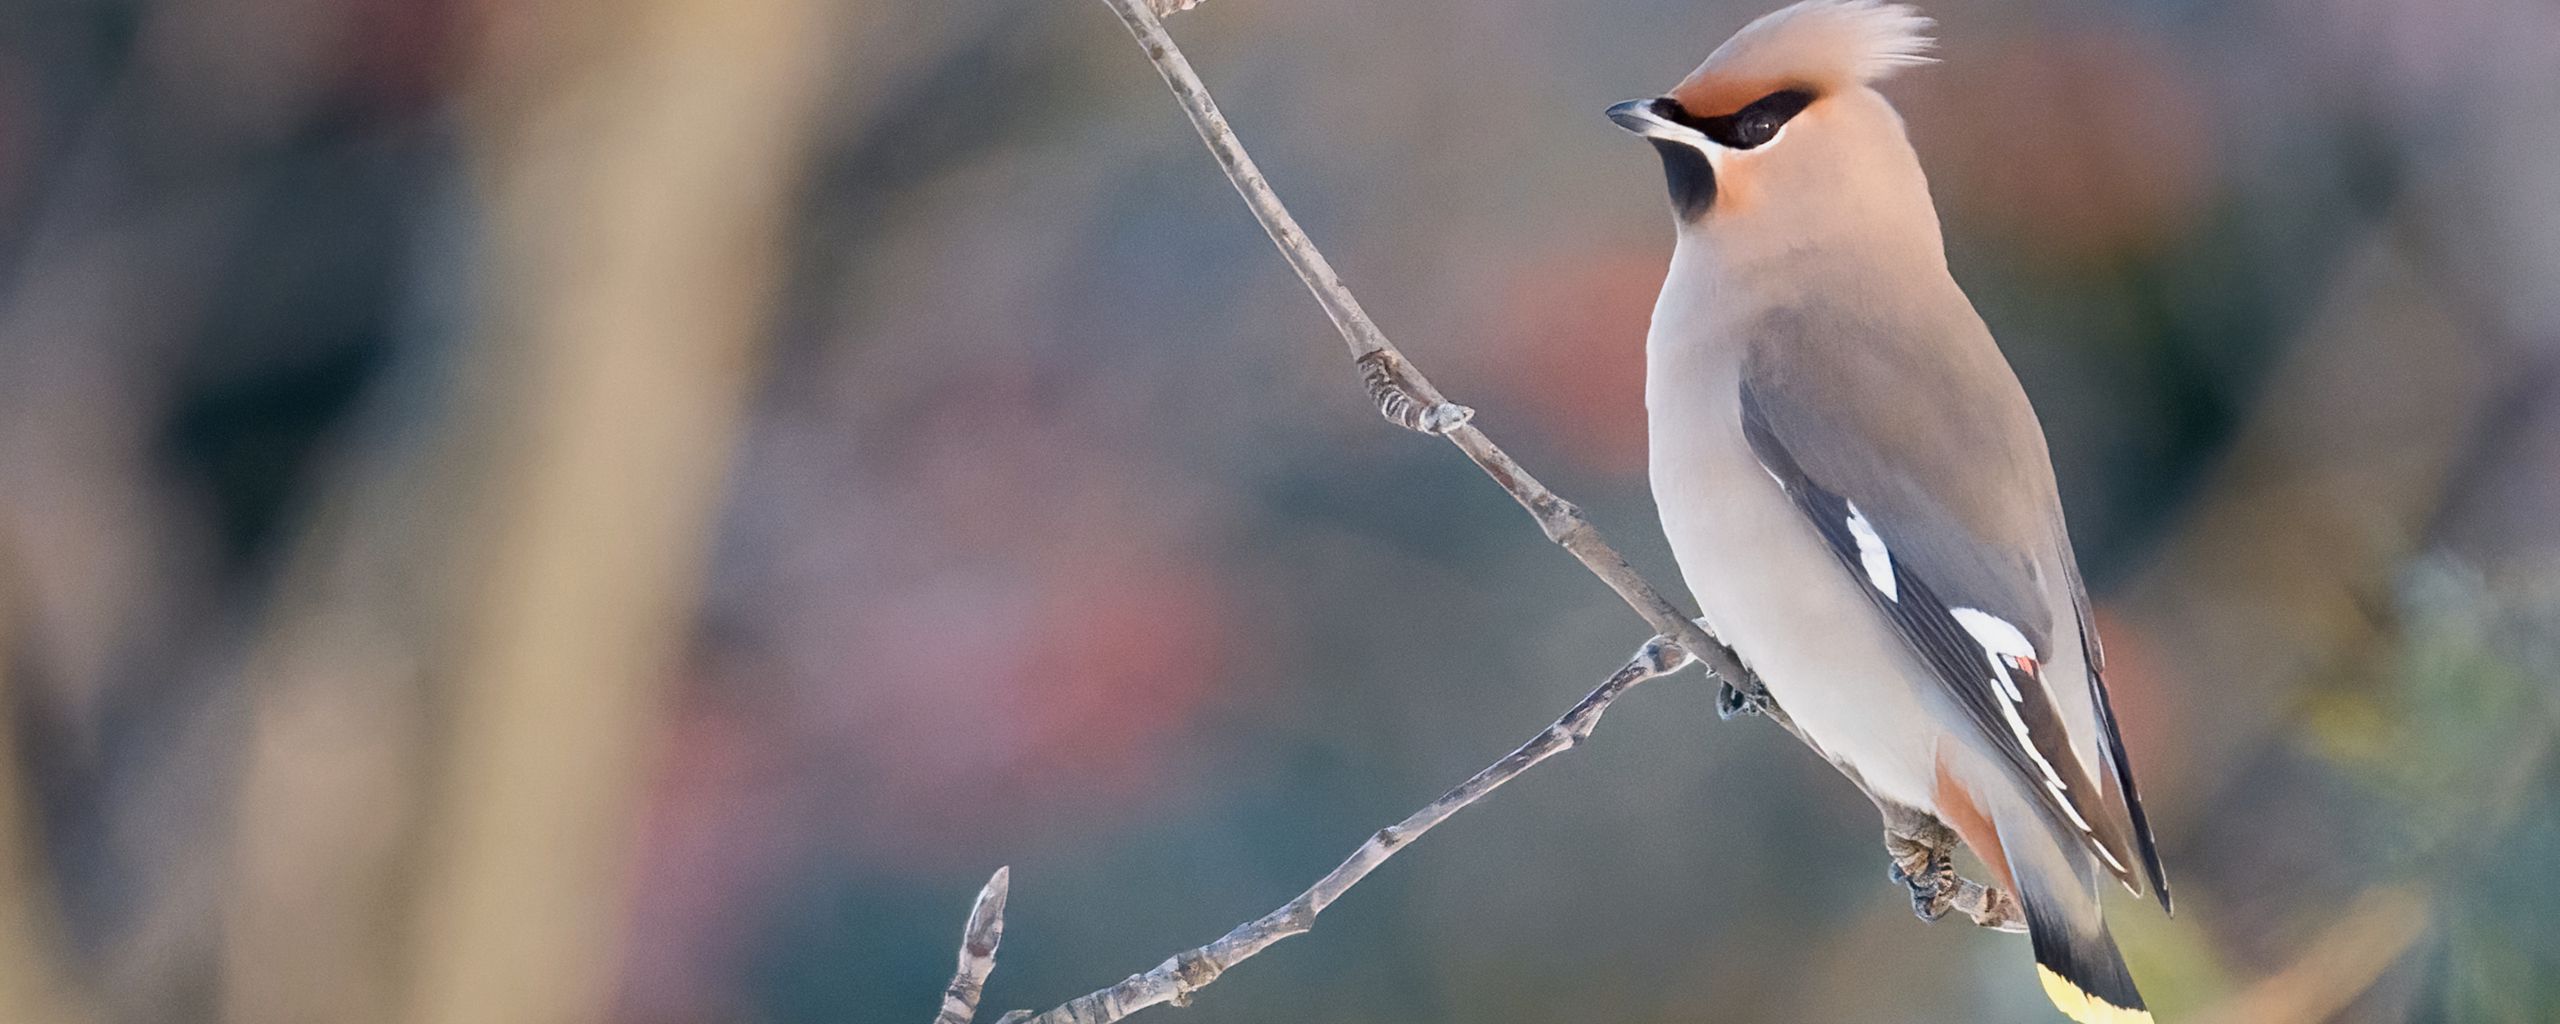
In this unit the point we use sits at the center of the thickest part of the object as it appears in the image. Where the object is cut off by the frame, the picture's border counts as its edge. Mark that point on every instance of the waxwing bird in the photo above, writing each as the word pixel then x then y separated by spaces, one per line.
pixel 1858 492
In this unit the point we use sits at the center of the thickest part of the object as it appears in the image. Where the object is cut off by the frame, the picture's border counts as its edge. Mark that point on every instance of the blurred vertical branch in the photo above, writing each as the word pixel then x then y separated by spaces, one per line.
pixel 458 695
pixel 338 749
pixel 637 192
pixel 34 985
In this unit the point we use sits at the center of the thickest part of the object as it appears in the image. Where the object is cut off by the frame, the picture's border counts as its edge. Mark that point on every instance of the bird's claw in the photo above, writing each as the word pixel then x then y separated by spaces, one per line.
pixel 1734 702
pixel 1922 860
pixel 1933 886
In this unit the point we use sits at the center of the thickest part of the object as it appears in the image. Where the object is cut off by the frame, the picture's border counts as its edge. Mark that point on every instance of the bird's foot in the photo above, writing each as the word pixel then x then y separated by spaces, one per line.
pixel 1924 863
pixel 1749 699
pixel 1922 849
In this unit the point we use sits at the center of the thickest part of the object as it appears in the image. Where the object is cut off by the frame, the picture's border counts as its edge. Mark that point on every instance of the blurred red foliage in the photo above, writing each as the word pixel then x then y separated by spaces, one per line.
pixel 2074 145
pixel 1568 341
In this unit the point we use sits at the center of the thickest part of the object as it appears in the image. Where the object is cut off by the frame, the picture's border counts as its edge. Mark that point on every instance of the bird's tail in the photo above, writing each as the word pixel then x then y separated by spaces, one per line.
pixel 2083 974
pixel 2075 957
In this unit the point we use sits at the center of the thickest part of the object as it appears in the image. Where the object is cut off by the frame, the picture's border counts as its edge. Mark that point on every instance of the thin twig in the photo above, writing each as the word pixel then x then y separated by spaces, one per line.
pixel 1404 396
pixel 1174 980
pixel 977 952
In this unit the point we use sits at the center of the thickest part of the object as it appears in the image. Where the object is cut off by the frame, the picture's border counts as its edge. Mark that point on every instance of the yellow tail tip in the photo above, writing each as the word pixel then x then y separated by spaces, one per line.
pixel 2083 1007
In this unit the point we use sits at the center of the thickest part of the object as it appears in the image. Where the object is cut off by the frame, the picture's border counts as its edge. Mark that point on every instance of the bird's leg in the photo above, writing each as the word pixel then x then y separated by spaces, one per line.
pixel 1922 850
pixel 1744 697
pixel 1743 700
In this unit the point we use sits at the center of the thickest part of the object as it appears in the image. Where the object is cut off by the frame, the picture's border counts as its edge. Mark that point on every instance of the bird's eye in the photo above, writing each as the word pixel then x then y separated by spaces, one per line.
pixel 1753 126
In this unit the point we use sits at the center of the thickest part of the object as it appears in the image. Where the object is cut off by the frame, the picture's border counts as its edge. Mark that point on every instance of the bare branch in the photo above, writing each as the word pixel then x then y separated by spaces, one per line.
pixel 977 952
pixel 1404 396
pixel 1182 974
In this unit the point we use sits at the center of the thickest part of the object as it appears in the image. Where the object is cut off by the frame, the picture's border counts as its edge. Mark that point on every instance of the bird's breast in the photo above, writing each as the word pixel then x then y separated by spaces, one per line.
pixel 1762 576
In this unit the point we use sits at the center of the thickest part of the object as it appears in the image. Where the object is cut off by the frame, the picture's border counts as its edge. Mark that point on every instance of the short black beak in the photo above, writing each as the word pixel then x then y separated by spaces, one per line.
pixel 1637 115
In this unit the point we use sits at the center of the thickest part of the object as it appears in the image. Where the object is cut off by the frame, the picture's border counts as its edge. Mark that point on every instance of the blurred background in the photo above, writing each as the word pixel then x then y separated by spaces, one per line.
pixel 585 511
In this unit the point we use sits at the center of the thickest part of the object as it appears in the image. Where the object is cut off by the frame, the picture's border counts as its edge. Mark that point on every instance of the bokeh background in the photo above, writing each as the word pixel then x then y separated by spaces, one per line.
pixel 629 510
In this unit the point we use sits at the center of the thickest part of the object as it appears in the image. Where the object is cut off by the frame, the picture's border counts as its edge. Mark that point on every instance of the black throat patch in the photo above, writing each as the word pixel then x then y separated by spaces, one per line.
pixel 1692 181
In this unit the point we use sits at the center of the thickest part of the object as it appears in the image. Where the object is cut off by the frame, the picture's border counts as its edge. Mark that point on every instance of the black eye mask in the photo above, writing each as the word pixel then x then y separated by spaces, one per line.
pixel 1748 128
pixel 1692 181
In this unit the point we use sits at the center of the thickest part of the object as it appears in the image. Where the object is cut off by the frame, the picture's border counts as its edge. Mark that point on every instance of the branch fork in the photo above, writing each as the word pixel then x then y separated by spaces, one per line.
pixel 1183 974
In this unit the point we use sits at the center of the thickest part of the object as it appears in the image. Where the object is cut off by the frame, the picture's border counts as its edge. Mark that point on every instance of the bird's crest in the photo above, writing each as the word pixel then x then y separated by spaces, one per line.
pixel 1823 45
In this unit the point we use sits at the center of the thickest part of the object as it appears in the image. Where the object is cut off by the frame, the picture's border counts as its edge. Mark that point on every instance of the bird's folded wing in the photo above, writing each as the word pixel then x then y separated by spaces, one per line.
pixel 1976 606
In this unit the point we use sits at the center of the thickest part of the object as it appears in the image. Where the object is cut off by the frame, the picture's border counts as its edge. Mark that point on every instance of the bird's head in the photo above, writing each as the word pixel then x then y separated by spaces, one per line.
pixel 1781 119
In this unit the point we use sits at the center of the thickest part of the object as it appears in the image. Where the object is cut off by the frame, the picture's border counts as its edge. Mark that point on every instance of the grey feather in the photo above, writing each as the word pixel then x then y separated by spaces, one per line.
pixel 1947 469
